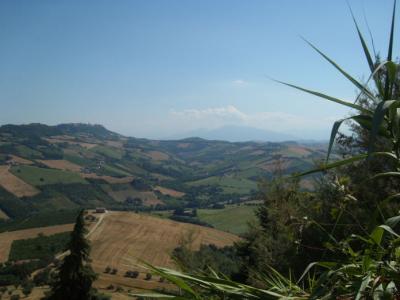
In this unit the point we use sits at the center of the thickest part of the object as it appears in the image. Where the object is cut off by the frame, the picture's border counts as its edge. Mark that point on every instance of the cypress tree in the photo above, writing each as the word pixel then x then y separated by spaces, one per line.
pixel 75 275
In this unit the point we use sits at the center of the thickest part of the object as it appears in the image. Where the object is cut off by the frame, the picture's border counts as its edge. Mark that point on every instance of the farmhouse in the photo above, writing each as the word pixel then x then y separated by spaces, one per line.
pixel 100 210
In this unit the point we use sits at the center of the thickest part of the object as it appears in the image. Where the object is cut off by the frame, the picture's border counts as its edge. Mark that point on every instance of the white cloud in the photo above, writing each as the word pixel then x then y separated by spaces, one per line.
pixel 220 112
pixel 219 116
pixel 239 82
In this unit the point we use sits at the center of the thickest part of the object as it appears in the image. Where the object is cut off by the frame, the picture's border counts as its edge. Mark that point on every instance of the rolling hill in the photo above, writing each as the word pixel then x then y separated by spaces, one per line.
pixel 69 166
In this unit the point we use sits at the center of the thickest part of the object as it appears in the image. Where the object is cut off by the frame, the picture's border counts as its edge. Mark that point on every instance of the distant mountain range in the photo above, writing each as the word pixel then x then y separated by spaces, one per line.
pixel 234 133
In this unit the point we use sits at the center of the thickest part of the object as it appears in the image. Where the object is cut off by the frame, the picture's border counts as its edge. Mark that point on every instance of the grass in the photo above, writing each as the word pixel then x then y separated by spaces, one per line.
pixel 41 176
pixel 232 218
pixel 77 159
pixel 44 219
pixel 230 185
pixel 113 171
pixel 28 152
pixel 108 151
pixel 39 247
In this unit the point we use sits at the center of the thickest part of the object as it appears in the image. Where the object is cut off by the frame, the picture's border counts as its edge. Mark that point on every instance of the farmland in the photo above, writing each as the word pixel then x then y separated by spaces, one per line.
pixel 15 185
pixel 123 239
pixel 80 165
pixel 40 176
pixel 232 218
pixel 8 237
pixel 61 165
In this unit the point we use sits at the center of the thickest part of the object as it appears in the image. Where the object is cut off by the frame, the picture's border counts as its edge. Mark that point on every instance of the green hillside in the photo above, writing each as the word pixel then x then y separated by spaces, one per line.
pixel 82 165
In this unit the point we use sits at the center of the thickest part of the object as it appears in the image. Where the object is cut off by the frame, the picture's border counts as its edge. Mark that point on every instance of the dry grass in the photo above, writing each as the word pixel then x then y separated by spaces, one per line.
pixel 61 164
pixel 157 155
pixel 148 197
pixel 169 192
pixel 3 215
pixel 275 165
pixel 70 142
pixel 109 179
pixel 115 144
pixel 7 238
pixel 15 185
pixel 298 150
pixel 20 160
pixel 184 145
pixel 124 239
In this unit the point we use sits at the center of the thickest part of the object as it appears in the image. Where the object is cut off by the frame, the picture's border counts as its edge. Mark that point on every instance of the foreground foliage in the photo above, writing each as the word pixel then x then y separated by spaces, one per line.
pixel 359 252
pixel 75 276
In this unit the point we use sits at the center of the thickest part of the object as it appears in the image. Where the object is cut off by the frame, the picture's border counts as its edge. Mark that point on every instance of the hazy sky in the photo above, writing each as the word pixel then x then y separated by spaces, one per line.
pixel 159 68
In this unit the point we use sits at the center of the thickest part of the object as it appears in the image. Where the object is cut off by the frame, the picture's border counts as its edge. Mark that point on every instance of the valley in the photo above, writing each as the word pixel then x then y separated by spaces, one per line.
pixel 151 191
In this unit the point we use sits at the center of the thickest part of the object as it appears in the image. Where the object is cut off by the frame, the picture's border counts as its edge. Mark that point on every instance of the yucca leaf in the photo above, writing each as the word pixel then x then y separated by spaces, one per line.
pixel 362 40
pixel 335 129
pixel 347 161
pixel 174 279
pixel 367 53
pixel 390 52
pixel 390 230
pixel 325 264
pixel 386 174
pixel 363 286
pixel 333 99
pixel 390 49
pixel 378 117
pixel 360 86
pixel 363 120
pixel 373 75
pixel 377 235
pixel 392 222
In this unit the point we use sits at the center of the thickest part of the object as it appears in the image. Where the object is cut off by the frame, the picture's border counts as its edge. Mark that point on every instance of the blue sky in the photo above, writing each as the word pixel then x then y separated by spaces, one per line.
pixel 160 68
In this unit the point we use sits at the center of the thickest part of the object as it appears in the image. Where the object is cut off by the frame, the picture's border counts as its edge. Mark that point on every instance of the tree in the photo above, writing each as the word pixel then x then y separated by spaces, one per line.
pixel 75 275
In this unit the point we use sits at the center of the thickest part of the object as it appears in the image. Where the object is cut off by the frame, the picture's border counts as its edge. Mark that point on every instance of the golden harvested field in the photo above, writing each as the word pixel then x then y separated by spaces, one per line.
pixel 20 160
pixel 61 164
pixel 157 155
pixel 170 192
pixel 7 238
pixel 109 179
pixel 71 142
pixel 3 215
pixel 298 150
pixel 15 185
pixel 276 165
pixel 115 144
pixel 122 239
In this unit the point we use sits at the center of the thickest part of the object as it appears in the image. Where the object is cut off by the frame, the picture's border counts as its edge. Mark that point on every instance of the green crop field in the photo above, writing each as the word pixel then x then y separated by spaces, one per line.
pixel 27 152
pixel 228 184
pixel 232 218
pixel 108 151
pixel 39 247
pixel 41 176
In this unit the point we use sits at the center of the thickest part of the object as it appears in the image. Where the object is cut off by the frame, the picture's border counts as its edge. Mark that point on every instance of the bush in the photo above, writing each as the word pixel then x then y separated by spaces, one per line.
pixel 42 277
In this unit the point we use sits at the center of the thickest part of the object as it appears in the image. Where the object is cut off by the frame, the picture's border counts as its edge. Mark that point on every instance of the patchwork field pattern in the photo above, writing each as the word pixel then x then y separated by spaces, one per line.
pixel 7 238
pixel 15 185
pixel 40 176
pixel 169 192
pixel 61 164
